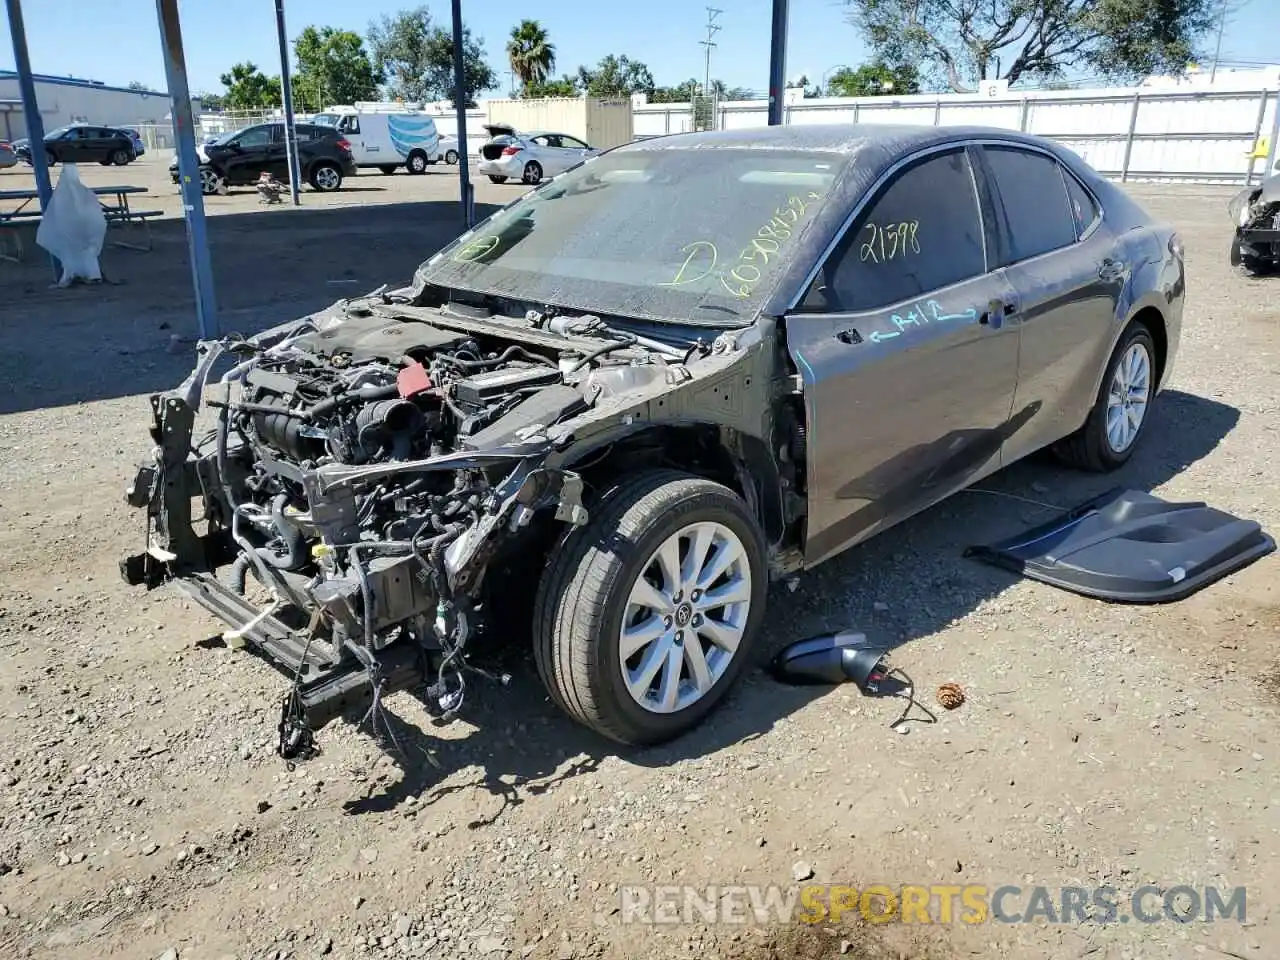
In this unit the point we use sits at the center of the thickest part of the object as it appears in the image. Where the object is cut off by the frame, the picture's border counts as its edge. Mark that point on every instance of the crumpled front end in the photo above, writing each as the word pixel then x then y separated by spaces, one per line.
pixel 1256 214
pixel 337 494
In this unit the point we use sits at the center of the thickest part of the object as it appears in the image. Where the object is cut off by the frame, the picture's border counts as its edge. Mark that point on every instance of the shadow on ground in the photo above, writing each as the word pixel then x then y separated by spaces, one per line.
pixel 905 584
pixel 94 342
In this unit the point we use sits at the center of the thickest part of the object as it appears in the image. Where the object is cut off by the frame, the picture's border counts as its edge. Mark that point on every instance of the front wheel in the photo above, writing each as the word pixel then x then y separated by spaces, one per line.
pixel 1110 434
pixel 325 177
pixel 646 616
pixel 451 157
pixel 210 181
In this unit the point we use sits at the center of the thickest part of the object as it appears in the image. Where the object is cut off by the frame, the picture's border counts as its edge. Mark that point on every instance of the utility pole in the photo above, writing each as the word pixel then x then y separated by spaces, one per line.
pixel 712 29
pixel 777 62
pixel 1222 20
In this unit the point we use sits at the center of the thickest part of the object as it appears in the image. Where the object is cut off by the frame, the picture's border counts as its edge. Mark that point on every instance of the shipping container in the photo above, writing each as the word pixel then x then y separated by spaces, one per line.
pixel 601 123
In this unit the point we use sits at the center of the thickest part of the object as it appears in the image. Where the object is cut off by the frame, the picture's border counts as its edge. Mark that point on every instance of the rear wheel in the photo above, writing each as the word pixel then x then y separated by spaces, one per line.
pixel 417 162
pixel 120 157
pixel 532 173
pixel 1110 434
pixel 325 177
pixel 647 615
pixel 389 168
pixel 498 179
pixel 451 157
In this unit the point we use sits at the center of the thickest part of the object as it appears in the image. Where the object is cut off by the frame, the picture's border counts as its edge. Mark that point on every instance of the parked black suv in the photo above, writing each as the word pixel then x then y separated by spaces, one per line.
pixel 83 143
pixel 240 158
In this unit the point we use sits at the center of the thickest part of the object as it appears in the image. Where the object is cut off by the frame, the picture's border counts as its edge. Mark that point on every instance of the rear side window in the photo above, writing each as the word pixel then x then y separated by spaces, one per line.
pixel 923 232
pixel 1083 207
pixel 1035 201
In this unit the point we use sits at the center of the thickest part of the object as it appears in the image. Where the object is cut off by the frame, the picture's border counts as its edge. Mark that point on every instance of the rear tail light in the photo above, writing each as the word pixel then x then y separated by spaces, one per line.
pixel 511 151
pixel 344 144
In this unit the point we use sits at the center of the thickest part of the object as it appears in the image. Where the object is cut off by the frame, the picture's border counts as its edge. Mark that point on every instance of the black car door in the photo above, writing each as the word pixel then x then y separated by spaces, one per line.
pixel 1061 261
pixel 246 155
pixel 907 359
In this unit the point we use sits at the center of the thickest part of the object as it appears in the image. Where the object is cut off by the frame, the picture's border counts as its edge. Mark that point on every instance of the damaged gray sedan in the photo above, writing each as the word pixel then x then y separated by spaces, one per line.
pixel 613 412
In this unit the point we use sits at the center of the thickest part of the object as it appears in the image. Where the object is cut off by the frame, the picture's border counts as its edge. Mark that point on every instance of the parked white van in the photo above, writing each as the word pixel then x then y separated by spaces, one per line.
pixel 386 135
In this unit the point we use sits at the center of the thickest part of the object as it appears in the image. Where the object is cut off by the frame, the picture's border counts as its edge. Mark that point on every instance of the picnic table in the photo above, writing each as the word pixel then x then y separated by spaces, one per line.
pixel 115 207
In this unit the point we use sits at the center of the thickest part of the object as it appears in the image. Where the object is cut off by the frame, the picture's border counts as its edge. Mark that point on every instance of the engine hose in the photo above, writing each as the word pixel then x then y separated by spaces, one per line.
pixel 506 354
pixel 367 392
pixel 240 573
pixel 295 543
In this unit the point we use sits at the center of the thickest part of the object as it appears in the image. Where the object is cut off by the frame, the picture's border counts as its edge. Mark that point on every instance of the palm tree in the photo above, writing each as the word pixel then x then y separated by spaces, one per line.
pixel 532 56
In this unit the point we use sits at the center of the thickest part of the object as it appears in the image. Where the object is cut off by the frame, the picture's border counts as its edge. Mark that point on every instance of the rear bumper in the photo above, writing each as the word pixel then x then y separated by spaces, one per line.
pixel 502 167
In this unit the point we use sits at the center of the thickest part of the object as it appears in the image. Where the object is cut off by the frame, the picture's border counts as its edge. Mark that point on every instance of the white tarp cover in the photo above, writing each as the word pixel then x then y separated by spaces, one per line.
pixel 73 228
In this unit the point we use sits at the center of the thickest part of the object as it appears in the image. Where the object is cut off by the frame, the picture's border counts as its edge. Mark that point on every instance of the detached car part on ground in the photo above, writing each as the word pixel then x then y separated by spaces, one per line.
pixel 1255 211
pixel 620 406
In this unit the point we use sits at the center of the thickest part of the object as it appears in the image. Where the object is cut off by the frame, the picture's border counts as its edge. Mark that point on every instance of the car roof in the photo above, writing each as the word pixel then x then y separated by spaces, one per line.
pixel 883 139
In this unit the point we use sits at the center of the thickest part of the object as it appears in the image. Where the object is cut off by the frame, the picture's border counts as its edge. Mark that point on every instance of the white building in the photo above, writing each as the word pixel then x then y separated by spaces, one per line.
pixel 64 100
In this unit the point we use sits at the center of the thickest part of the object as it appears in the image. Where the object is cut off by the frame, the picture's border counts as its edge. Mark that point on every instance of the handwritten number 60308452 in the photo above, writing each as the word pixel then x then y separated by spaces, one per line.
pixel 890 241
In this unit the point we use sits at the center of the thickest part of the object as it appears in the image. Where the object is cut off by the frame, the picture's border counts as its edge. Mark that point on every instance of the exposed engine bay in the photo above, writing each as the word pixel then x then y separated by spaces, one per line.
pixel 362 470
pixel 1255 210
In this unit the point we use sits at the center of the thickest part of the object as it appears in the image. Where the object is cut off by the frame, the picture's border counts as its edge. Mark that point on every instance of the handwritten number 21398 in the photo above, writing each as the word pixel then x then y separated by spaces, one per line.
pixel 889 242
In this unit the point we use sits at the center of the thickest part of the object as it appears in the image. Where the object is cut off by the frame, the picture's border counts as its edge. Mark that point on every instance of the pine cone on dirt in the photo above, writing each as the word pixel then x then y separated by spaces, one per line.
pixel 950 695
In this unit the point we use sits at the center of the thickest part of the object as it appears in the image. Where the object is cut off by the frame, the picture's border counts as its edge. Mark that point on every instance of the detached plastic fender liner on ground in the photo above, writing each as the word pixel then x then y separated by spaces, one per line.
pixel 73 228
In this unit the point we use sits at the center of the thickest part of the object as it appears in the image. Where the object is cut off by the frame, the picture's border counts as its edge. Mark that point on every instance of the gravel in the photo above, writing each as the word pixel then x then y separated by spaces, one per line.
pixel 144 813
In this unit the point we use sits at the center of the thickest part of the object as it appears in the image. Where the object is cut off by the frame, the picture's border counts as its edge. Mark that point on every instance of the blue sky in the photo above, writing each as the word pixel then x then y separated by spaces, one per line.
pixel 117 41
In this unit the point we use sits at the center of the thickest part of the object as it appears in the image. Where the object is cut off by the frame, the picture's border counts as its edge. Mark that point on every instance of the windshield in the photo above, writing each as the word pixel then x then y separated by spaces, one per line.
pixel 693 236
pixel 58 132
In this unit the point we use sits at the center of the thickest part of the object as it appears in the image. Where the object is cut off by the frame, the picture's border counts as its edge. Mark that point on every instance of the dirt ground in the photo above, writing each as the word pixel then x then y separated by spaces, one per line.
pixel 143 813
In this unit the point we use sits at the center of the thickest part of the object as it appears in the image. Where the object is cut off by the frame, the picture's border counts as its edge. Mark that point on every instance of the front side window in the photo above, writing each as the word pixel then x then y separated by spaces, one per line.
pixel 921 233
pixel 1035 201
pixel 255 137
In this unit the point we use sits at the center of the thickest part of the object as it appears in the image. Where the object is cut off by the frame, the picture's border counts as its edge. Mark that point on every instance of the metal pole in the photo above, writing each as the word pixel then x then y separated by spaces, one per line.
pixel 30 109
pixel 286 93
pixel 777 61
pixel 1222 20
pixel 1257 135
pixel 175 68
pixel 1128 143
pixel 1270 168
pixel 460 105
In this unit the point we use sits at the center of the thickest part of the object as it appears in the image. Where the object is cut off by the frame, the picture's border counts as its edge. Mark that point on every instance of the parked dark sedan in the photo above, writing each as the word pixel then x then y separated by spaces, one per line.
pixel 241 157
pixel 83 143
pixel 611 413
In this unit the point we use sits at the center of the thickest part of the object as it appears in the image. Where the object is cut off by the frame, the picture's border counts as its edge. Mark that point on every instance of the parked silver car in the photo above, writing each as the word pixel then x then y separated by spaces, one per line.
pixel 529 157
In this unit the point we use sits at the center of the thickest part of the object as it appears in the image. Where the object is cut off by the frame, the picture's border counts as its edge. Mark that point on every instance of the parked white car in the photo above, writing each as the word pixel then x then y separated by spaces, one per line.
pixel 447 151
pixel 529 157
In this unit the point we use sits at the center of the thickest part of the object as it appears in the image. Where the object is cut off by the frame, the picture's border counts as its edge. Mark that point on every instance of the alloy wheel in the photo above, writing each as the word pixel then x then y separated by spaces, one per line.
pixel 685 617
pixel 327 178
pixel 1127 397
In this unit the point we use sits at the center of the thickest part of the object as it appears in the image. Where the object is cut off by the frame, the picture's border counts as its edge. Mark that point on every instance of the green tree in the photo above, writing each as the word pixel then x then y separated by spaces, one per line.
pixel 680 93
pixel 566 86
pixel 616 77
pixel 210 101
pixel 248 88
pixel 141 87
pixel 416 58
pixel 531 55
pixel 874 79
pixel 963 41
pixel 333 68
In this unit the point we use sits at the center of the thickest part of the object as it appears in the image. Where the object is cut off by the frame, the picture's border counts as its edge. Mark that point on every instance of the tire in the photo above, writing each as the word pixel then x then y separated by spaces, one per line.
pixel 50 159
pixel 585 596
pixel 1091 447
pixel 105 163
pixel 498 179
pixel 532 173
pixel 119 157
pixel 451 157
pixel 325 178
pixel 210 181
pixel 417 162
pixel 389 168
